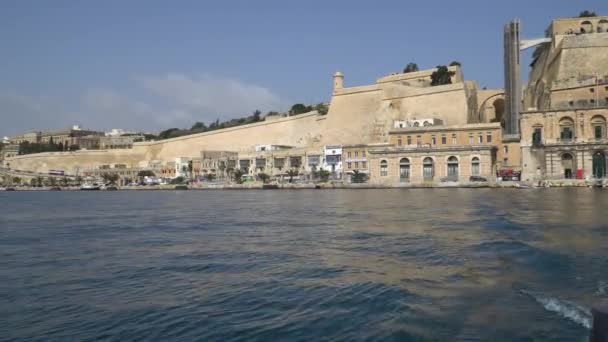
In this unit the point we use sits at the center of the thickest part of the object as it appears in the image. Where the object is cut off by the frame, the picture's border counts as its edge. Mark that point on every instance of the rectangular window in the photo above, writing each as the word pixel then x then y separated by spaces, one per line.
pixel 470 139
pixel 453 139
pixel 409 140
pixel 489 137
pixel 356 165
pixel 418 140
pixel 443 140
pixel 383 170
pixel 506 149
pixel 349 164
pixel 364 165
pixel 433 141
pixel 348 154
pixel 363 154
pixel 480 139
pixel 597 132
pixel 356 154
pixel 537 137
pixel 399 142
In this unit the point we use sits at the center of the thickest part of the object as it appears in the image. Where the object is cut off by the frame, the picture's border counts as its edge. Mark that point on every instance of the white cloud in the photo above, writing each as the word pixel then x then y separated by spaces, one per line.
pixel 212 97
pixel 173 100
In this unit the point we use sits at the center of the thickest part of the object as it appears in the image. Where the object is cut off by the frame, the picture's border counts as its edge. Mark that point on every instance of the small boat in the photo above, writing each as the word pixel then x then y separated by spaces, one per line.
pixel 90 186
pixel 55 188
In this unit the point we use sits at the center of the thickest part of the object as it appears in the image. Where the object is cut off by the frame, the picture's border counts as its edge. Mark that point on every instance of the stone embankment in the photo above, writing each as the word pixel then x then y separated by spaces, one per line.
pixel 331 185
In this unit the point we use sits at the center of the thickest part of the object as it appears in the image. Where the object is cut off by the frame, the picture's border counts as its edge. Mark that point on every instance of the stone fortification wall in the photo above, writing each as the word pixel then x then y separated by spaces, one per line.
pixel 574 57
pixel 356 115
pixel 74 162
pixel 301 130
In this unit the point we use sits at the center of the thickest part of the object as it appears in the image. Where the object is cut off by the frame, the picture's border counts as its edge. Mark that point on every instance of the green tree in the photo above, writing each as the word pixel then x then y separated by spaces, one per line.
pixel 256 115
pixel 237 176
pixel 322 175
pixel 16 181
pixel 264 177
pixel 292 173
pixel 441 76
pixel 52 181
pixel 410 67
pixel 39 181
pixel 298 108
pixel 110 178
pixel 358 177
pixel 210 177
pixel 33 182
pixel 456 63
pixel 78 180
pixel 322 108
pixel 64 181
pixel 198 126
pixel 145 173
pixel 587 14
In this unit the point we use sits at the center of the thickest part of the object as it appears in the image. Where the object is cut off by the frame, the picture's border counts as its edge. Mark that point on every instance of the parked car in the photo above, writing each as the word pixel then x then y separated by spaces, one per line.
pixel 477 179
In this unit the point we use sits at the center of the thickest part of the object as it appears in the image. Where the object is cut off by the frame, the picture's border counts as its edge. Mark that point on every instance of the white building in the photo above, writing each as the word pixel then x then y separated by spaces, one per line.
pixel 268 147
pixel 417 123
pixel 332 158
pixel 181 167
pixel 116 132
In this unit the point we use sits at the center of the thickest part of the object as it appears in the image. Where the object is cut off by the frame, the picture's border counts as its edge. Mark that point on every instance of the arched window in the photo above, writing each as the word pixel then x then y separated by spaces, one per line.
pixel 383 168
pixel 602 26
pixel 566 129
pixel 428 168
pixel 598 125
pixel 568 165
pixel 475 169
pixel 586 27
pixel 453 168
pixel 404 170
pixel 426 123
pixel 416 124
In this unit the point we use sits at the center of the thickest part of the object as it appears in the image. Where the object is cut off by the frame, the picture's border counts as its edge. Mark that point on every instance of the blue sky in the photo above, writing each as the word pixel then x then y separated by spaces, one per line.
pixel 151 65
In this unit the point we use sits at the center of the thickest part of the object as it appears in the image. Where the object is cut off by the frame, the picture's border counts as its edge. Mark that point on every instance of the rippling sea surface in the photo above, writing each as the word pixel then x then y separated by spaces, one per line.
pixel 343 265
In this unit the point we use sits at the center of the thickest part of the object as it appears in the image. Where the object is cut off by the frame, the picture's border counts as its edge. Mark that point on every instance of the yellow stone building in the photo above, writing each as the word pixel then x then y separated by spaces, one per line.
pixel 563 127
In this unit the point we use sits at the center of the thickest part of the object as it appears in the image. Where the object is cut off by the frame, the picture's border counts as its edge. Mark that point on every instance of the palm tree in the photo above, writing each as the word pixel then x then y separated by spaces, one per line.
pixel 292 173
pixel 264 177
pixel 237 175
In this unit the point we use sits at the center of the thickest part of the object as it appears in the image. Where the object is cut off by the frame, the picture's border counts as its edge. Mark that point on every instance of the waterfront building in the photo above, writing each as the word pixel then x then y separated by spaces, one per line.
pixel 8 151
pixel 431 155
pixel 112 142
pixel 563 125
pixel 355 160
pixel 333 160
pixel 220 163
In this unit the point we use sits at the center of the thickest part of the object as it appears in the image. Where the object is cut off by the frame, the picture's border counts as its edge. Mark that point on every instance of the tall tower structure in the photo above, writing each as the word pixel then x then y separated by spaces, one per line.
pixel 338 81
pixel 512 77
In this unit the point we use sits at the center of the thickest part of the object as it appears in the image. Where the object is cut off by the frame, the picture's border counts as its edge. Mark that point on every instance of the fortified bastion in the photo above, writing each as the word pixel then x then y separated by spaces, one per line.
pixel 357 115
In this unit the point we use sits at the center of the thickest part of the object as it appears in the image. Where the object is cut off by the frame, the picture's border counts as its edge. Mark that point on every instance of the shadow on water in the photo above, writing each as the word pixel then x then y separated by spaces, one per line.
pixel 441 264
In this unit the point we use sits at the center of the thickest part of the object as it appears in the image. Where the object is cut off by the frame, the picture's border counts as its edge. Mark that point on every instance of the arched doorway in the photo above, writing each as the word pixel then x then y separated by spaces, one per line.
pixel 602 26
pixel 568 165
pixel 404 170
pixel 453 168
pixel 599 165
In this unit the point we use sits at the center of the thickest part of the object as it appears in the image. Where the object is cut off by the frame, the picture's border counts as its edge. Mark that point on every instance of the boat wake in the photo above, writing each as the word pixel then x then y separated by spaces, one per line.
pixel 572 311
